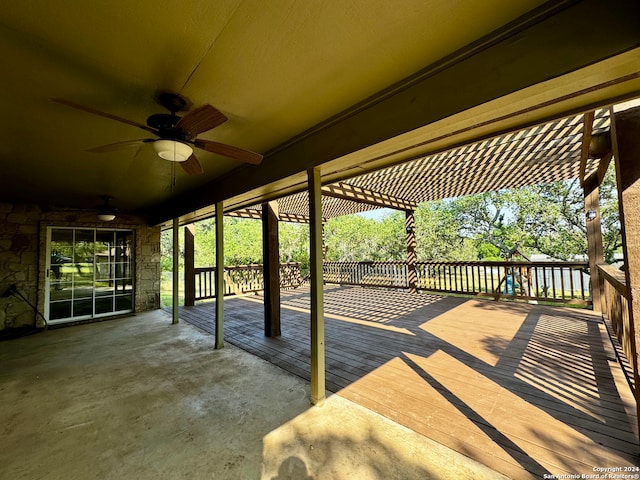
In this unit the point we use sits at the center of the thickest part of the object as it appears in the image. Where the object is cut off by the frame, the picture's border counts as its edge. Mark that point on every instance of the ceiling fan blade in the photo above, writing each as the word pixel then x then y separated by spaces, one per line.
pixel 192 166
pixel 84 108
pixel 229 151
pixel 112 147
pixel 201 119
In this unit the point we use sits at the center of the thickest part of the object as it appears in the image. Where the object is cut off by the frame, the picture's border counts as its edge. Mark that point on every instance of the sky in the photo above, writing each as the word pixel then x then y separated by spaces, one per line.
pixel 376 214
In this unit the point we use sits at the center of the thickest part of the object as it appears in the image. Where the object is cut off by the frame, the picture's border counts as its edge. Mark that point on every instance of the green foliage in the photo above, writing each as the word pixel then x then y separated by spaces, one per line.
pixel 166 250
pixel 488 252
pixel 355 238
pixel 555 220
pixel 294 244
pixel 242 242
pixel 438 233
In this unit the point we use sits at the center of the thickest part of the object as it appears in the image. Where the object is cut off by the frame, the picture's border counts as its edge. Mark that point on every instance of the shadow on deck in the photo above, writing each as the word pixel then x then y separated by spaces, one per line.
pixel 527 390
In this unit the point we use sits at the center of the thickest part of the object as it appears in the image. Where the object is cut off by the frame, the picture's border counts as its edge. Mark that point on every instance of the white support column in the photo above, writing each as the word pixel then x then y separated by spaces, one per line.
pixel 219 280
pixel 176 272
pixel 317 287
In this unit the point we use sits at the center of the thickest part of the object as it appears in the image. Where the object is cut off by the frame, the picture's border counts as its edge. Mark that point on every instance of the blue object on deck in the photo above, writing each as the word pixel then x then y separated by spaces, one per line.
pixel 508 287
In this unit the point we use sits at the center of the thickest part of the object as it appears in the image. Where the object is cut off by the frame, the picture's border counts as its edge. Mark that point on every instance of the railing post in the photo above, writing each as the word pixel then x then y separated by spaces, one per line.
pixel 412 256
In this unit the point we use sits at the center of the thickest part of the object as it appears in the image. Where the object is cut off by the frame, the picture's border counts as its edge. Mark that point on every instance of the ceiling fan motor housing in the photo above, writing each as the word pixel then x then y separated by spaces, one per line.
pixel 165 124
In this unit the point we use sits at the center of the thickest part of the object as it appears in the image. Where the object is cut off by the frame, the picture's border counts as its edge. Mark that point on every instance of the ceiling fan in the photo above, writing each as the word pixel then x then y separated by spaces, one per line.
pixel 105 211
pixel 175 134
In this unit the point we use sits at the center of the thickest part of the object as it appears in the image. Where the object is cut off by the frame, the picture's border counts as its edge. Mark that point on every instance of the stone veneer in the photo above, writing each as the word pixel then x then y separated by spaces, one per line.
pixel 23 237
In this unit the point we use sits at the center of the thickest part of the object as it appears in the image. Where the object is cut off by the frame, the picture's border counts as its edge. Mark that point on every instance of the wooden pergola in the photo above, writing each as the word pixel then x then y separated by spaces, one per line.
pixel 544 153
pixel 576 147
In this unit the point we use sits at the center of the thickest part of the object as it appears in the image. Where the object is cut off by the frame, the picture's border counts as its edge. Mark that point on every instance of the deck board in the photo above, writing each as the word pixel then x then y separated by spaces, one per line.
pixel 524 389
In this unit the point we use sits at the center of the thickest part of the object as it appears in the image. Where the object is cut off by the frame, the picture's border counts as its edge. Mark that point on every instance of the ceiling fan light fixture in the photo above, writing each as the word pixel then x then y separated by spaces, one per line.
pixel 106 217
pixel 172 150
pixel 106 212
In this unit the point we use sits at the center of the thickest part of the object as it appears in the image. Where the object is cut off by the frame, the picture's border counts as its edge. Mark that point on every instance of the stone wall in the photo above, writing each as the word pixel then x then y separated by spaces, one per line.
pixel 148 273
pixel 19 247
pixel 23 237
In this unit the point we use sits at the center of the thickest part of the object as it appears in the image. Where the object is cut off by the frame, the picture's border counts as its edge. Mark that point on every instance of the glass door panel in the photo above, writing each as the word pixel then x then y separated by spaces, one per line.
pixel 123 270
pixel 105 291
pixel 60 273
pixel 90 273
pixel 82 271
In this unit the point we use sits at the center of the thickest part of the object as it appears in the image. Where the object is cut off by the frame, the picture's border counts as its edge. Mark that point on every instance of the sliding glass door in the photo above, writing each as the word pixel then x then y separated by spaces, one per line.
pixel 89 273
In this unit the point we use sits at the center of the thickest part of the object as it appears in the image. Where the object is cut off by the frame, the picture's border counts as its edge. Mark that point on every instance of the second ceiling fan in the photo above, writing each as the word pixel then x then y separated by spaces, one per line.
pixel 176 135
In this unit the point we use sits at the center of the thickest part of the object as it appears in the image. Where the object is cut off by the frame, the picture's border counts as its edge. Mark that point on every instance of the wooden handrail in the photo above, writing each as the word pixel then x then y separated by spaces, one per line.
pixel 617 316
pixel 558 282
pixel 616 278
pixel 240 279
pixel 491 263
pixel 549 281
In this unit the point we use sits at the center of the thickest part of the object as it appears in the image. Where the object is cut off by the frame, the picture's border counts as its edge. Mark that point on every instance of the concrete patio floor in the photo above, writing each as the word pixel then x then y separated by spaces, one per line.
pixel 140 398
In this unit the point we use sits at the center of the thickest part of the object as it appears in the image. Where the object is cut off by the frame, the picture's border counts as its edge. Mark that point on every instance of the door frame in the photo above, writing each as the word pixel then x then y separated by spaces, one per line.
pixel 47 277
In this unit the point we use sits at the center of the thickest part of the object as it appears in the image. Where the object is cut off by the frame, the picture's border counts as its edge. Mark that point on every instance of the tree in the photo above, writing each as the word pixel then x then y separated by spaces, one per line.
pixel 294 243
pixel 438 233
pixel 490 221
pixel 547 218
pixel 166 251
pixel 355 238
pixel 555 221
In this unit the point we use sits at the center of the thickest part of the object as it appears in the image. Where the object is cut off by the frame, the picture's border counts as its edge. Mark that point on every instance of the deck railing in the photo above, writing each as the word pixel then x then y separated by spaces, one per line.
pixel 561 282
pixel 241 279
pixel 616 311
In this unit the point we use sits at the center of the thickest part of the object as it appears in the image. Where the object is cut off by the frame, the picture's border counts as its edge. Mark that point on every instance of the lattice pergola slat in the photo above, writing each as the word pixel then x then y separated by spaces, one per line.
pixel 540 154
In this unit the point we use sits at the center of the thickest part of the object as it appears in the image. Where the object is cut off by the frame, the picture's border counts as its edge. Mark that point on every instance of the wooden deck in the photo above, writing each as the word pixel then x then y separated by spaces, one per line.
pixel 524 389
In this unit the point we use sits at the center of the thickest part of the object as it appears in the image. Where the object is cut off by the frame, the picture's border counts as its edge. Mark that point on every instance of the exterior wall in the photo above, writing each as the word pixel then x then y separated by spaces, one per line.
pixel 23 236
pixel 18 262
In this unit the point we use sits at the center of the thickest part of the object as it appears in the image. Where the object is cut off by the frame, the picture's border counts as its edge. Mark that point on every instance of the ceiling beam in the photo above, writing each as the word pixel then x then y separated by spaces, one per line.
pixel 546 44
pixel 594 180
pixel 256 214
pixel 346 191
pixel 251 213
pixel 296 218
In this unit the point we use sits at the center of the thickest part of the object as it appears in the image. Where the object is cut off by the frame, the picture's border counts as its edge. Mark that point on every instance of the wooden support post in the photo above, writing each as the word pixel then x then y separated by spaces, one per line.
pixel 317 288
pixel 625 130
pixel 271 269
pixel 175 304
pixel 594 240
pixel 219 342
pixel 412 256
pixel 189 266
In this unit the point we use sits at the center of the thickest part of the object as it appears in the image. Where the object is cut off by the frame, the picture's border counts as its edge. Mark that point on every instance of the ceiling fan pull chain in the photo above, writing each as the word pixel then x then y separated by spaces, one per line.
pixel 173 177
